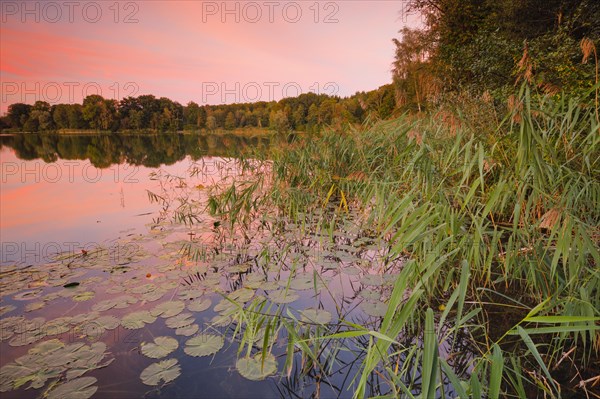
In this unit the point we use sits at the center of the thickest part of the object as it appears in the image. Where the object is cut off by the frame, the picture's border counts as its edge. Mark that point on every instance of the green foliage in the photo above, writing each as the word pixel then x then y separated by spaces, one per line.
pixel 475 46
pixel 308 112
pixel 513 208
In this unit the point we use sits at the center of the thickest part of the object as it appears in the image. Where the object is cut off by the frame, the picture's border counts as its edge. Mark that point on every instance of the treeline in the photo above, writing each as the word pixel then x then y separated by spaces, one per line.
pixel 486 47
pixel 307 112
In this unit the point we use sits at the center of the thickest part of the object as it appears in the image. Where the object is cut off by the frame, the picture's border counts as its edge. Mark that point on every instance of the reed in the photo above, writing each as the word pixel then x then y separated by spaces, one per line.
pixel 501 218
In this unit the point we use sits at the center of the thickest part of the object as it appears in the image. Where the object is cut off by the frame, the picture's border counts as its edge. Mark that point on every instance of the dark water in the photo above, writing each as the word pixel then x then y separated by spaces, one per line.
pixel 105 212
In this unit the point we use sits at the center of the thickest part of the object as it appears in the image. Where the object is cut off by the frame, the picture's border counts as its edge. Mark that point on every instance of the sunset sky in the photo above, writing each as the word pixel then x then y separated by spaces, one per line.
pixel 208 52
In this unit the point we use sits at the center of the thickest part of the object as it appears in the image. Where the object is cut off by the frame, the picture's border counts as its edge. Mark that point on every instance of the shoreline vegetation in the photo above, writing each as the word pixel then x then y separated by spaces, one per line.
pixel 499 229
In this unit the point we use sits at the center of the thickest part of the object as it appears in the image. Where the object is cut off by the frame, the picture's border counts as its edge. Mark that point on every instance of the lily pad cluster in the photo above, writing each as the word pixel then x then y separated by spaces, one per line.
pixel 125 284
pixel 53 360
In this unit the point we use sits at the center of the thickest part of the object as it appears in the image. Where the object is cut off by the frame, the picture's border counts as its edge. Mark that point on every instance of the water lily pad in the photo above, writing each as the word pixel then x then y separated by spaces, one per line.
pixel 28 295
pixel 305 281
pixel 5 334
pixel 372 279
pixel 377 309
pixel 190 294
pixel 102 306
pixel 84 317
pixel 80 388
pixel 240 268
pixel 329 264
pixel 107 322
pixel 187 331
pixel 199 305
pixel 115 288
pixel 6 308
pixel 124 301
pixel 137 320
pixel 153 295
pixel 84 365
pixel 38 378
pixel 267 285
pixel 143 289
pixel 351 271
pixel 97 327
pixel 371 294
pixel 57 326
pixel 318 316
pixel 255 369
pixel 61 357
pixel 11 321
pixel 181 320
pixel 203 345
pixel 168 309
pixel 226 306
pixel 166 371
pixel 27 337
pixel 220 320
pixel 283 296
pixel 161 347
pixel 29 325
pixel 346 257
pixel 30 307
pixel 11 373
pixel 46 347
pixel 120 302
pixel 83 296
pixel 241 296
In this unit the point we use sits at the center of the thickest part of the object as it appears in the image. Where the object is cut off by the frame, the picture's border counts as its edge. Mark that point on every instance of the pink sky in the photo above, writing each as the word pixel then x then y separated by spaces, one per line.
pixel 60 51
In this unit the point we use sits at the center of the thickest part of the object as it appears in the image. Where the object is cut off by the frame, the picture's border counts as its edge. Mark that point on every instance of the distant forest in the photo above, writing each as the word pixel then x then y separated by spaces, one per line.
pixel 307 112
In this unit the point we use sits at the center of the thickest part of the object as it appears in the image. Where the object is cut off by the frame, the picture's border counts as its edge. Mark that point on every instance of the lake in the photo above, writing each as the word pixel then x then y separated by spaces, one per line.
pixel 116 280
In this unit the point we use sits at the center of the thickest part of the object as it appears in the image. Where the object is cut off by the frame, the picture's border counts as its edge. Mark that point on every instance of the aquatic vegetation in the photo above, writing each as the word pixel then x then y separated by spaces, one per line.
pixel 81 388
pixel 165 371
pixel 257 368
pixel 161 347
pixel 203 345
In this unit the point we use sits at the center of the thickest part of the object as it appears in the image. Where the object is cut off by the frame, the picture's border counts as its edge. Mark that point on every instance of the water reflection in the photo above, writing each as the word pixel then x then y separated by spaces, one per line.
pixel 150 150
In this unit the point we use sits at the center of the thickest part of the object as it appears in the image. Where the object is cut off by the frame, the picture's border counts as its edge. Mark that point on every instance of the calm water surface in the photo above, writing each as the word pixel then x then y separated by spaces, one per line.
pixel 102 212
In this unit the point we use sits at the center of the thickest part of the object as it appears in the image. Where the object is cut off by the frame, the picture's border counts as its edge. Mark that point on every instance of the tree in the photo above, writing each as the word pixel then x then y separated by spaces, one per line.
pixel 230 121
pixel 278 121
pixel 17 114
pixel 39 118
pixel 75 117
pixel 313 118
pixel 92 108
pixel 60 116
pixel 191 113
pixel 211 123
pixel 99 113
pixel 299 117
pixel 413 78
pixel 473 45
